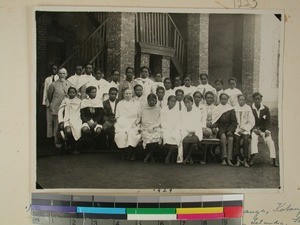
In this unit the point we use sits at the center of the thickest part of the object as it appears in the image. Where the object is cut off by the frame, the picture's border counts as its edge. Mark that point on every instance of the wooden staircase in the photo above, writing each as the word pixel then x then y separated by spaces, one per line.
pixel 157 33
pixel 92 50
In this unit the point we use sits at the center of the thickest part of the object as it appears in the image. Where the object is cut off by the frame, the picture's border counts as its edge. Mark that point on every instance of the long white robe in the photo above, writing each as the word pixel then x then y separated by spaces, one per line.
pixel 147 85
pixel 245 118
pixel 127 113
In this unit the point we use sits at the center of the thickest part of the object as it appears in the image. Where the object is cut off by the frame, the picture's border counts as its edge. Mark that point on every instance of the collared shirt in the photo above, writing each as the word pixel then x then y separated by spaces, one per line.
pixel 113 106
pixel 258 110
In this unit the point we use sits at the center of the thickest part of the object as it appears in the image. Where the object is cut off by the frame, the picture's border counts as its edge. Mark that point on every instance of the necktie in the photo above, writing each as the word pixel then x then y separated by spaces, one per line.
pixel 180 106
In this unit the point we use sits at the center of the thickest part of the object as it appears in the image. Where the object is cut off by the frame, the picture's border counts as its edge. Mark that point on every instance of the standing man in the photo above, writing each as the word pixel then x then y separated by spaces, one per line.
pixel 128 83
pixel 87 79
pixel 53 77
pixel 261 128
pixel 57 91
pixel 77 80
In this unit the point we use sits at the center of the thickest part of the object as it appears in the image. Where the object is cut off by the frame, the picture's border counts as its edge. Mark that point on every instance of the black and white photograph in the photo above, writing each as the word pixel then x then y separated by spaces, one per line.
pixel 158 100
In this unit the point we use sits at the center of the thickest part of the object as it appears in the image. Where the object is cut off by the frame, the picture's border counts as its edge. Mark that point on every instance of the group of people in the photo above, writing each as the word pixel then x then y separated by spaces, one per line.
pixel 125 111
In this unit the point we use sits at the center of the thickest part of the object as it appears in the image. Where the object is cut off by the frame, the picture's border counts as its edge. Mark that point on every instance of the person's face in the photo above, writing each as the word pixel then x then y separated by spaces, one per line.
pixel 129 74
pixel 197 98
pixel 242 100
pixel 115 76
pixel 152 102
pixel 232 84
pixel 54 70
pixel 98 75
pixel 209 99
pixel 158 77
pixel 257 100
pixel 223 99
pixel 179 96
pixel 72 93
pixel 172 103
pixel 144 73
pixel 188 104
pixel 112 95
pixel 187 81
pixel 78 70
pixel 93 93
pixel 167 84
pixel 138 91
pixel 88 69
pixel 204 80
pixel 177 82
pixel 219 86
pixel 62 74
pixel 160 94
pixel 128 94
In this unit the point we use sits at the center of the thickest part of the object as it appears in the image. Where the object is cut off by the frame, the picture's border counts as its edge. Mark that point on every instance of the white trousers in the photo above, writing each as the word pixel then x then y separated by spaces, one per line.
pixel 268 140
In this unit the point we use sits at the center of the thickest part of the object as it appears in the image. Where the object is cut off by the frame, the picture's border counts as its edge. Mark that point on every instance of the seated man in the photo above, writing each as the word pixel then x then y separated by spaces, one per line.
pixel 110 106
pixel 261 128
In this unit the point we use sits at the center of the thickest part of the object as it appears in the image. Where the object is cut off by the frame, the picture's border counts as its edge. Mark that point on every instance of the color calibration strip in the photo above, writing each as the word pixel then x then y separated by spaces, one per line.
pixel 136 210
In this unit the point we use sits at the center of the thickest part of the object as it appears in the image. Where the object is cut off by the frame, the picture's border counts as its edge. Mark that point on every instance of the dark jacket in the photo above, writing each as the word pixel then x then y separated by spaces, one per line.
pixel 227 122
pixel 109 115
pixel 96 114
pixel 262 123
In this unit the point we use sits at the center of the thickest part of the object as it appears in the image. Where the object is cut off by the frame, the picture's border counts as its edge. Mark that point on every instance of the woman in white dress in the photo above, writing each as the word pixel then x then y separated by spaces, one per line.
pixel 127 134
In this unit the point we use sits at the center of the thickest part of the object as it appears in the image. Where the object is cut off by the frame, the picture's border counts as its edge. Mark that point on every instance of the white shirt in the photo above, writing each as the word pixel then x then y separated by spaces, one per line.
pixel 112 105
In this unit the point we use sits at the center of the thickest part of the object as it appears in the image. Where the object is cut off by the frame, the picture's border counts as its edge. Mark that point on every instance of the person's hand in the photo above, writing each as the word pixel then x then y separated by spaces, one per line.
pixel 90 123
pixel 256 131
pixel 229 133
pixel 241 131
pixel 267 133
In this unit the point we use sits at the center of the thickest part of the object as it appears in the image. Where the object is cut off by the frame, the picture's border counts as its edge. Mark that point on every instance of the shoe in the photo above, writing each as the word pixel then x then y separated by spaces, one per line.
pixel 191 162
pixel 223 163
pixel 229 163
pixel 246 164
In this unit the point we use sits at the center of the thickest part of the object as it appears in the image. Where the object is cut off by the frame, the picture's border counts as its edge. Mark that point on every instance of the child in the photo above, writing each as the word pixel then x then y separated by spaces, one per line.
pixel 177 83
pixel 179 96
pixel 246 121
pixel 168 88
pixel 187 87
pixel 160 93
pixel 109 107
pixel 224 121
pixel 101 84
pixel 261 128
pixel 115 77
pixel 157 82
pixel 128 83
pixel 232 92
pixel 191 130
pixel 150 126
pixel 170 127
pixel 145 81
pixel 219 90
pixel 209 109
pixel 92 115
pixel 69 120
pixel 138 95
pixel 198 104
pixel 204 86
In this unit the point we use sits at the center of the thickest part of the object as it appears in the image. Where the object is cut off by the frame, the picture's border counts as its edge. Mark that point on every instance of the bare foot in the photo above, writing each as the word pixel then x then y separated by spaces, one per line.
pixel 223 163
pixel 246 164
pixel 238 163
pixel 229 162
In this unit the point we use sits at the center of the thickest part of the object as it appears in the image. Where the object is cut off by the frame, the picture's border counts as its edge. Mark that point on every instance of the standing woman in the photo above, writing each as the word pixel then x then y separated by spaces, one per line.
pixel 191 129
pixel 126 128
pixel 150 126
pixel 170 121
pixel 224 122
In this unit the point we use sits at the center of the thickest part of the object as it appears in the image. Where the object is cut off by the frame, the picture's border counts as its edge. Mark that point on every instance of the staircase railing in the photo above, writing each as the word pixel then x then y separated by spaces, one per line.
pixel 88 50
pixel 160 29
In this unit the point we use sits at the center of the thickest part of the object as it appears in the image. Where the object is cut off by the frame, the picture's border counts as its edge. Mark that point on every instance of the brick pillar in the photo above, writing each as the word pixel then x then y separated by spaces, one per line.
pixel 251 54
pixel 197 44
pixel 165 67
pixel 120 41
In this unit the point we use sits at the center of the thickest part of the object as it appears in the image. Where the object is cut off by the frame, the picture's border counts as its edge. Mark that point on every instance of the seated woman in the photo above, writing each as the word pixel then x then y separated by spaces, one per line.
pixel 170 121
pixel 69 120
pixel 150 126
pixel 92 114
pixel 224 121
pixel 246 122
pixel 127 134
pixel 191 129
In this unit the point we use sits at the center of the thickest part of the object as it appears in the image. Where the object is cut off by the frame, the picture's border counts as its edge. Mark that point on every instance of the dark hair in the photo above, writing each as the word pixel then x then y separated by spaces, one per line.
pixel 89 89
pixel 129 68
pixel 232 78
pixel 209 93
pixel 70 88
pixel 98 69
pixel 197 92
pixel 159 88
pixel 113 89
pixel 113 71
pixel 144 67
pixel 223 94
pixel 171 96
pixel 203 75
pixel 240 95
pixel 52 65
pixel 167 79
pixel 179 90
pixel 151 95
pixel 188 97
pixel 89 64
pixel 187 76
pixel 220 81
pixel 256 94
pixel 136 86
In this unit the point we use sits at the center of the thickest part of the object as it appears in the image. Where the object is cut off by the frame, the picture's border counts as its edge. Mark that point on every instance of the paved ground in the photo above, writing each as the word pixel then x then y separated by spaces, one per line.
pixel 105 169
